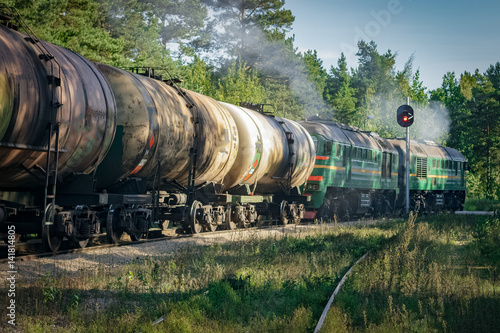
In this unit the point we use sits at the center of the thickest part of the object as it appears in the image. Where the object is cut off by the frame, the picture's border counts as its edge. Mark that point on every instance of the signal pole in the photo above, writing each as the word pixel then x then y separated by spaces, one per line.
pixel 407 167
pixel 404 116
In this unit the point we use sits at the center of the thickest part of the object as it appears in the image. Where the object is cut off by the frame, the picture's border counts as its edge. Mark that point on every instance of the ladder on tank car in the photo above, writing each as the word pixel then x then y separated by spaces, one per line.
pixel 54 81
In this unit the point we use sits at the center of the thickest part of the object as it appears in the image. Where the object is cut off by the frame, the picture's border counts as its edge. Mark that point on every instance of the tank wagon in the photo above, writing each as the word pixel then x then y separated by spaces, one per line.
pixel 359 172
pixel 86 147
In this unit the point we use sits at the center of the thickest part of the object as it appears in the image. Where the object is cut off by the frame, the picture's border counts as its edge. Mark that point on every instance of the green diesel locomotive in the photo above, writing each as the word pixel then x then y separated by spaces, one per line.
pixel 358 172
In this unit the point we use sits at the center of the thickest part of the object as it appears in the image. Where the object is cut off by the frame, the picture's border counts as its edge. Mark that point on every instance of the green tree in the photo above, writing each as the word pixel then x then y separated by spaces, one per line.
pixel 179 20
pixel 344 104
pixel 340 93
pixel 281 100
pixel 376 89
pixel 338 76
pixel 375 71
pixel 451 96
pixel 239 84
pixel 417 91
pixel 198 76
pixel 240 28
pixel 493 74
pixel 74 24
pixel 484 132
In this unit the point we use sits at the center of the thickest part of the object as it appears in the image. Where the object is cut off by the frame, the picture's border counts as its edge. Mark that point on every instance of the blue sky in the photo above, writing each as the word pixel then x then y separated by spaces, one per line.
pixel 443 35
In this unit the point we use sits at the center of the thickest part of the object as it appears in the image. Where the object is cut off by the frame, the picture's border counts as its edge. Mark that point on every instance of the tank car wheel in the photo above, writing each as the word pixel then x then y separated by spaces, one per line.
pixel 194 222
pixel 51 241
pixel 230 225
pixel 210 227
pixel 136 236
pixel 209 223
pixel 283 212
pixel 80 243
pixel 259 222
pixel 113 230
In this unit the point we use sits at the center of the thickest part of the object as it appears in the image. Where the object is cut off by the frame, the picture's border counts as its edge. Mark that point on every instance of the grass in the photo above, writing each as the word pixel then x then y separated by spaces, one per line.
pixel 482 205
pixel 259 285
pixel 440 274
pixel 432 274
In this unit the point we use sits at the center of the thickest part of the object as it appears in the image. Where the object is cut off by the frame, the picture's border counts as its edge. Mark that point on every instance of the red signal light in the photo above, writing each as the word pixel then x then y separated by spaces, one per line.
pixel 405 115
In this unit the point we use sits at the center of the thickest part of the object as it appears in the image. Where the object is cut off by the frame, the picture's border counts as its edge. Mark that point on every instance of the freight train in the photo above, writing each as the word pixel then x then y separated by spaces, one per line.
pixel 87 148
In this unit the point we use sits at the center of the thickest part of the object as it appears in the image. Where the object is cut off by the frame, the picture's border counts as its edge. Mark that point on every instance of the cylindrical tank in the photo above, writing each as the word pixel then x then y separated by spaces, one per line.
pixel 274 153
pixel 28 88
pixel 159 123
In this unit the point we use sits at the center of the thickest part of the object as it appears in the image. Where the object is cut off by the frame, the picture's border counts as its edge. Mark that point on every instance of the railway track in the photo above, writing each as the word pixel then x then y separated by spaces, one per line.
pixel 33 248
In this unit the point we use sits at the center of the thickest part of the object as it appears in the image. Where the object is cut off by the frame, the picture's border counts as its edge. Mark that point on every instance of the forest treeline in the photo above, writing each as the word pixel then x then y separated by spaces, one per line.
pixel 241 51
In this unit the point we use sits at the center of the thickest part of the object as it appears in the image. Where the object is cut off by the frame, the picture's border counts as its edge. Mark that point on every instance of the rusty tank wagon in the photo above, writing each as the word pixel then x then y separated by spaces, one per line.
pixel 87 148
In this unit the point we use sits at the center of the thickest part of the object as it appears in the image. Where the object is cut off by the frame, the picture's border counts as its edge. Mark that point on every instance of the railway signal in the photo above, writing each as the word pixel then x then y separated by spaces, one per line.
pixel 405 116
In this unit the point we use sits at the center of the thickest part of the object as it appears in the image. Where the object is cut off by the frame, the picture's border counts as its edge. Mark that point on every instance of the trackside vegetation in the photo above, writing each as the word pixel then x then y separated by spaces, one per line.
pixel 440 274
pixel 429 274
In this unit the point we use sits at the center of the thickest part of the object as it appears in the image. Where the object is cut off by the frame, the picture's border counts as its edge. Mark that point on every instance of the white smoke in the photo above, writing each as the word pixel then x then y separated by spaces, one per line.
pixel 276 61
pixel 431 122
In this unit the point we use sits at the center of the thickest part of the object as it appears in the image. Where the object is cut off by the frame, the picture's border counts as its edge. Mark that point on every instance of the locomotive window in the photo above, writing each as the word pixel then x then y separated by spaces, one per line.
pixel 364 154
pixel 434 164
pixel 328 148
pixel 338 150
pixel 386 165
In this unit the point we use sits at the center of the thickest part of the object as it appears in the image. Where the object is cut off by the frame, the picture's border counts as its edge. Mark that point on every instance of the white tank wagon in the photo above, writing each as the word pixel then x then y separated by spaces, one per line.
pixel 275 157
